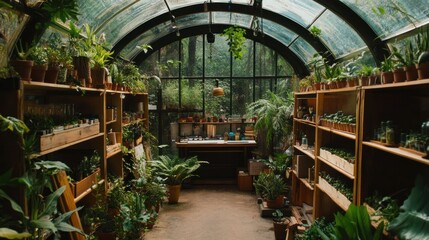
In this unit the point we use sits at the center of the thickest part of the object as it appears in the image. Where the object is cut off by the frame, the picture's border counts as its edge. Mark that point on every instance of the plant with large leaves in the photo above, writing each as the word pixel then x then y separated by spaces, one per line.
pixel 355 224
pixel 274 113
pixel 413 220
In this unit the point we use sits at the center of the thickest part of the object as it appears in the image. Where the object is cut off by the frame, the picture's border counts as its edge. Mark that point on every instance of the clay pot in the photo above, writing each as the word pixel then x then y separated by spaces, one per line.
pixel 98 76
pixel 387 77
pixel 38 72
pixel 399 75
pixel 316 86
pixel 411 73
pixel 423 70
pixel 106 235
pixel 23 68
pixel 52 74
pixel 352 82
pixel 83 68
pixel 279 230
pixel 275 203
pixel 364 81
pixel 173 193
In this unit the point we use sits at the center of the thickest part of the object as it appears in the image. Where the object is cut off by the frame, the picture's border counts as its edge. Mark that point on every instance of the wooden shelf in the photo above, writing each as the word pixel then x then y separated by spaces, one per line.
pixel 134 122
pixel 65 146
pixel 110 122
pixel 80 197
pixel 307 152
pixel 339 90
pixel 114 152
pixel 398 152
pixel 338 132
pixel 300 94
pixel 338 169
pixel 341 204
pixel 216 123
pixel 414 83
pixel 307 122
pixel 306 183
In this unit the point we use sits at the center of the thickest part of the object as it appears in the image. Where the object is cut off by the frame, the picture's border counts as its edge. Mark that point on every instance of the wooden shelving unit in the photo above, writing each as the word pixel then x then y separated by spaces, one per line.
pixel 388 170
pixel 86 101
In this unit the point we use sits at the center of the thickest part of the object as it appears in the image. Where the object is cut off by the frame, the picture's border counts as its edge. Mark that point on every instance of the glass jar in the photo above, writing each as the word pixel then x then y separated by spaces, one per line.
pixel 304 142
pixel 382 132
pixel 390 133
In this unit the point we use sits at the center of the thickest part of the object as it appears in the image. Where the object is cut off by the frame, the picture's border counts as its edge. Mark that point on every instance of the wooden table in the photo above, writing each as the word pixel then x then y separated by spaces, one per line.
pixel 224 157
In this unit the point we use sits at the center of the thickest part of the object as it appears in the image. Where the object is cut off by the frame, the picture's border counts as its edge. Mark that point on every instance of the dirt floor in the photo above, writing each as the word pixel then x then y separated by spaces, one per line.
pixel 212 213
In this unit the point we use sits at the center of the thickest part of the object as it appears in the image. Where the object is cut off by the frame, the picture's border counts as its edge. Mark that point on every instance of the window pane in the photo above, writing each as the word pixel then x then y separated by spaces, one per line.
pixel 192 94
pixel 301 11
pixel 217 106
pixel 217 58
pixel 303 49
pixel 284 67
pixel 244 67
pixel 192 56
pixel 170 94
pixel 337 35
pixel 262 86
pixel 242 92
pixel 170 59
pixel 392 20
pixel 265 61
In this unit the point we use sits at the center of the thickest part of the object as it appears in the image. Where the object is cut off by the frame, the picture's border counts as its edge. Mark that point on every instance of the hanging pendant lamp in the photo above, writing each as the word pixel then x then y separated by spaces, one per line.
pixel 218 91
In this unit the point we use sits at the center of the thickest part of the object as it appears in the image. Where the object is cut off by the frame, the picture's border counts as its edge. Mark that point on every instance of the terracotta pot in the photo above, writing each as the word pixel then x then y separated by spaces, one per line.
pixel 83 68
pixel 352 82
pixel 411 73
pixel 423 70
pixel 399 75
pixel 173 193
pixel 316 86
pixel 275 203
pixel 332 85
pixel 387 77
pixel 342 83
pixel 52 74
pixel 364 81
pixel 279 230
pixel 98 76
pixel 23 68
pixel 38 73
pixel 374 80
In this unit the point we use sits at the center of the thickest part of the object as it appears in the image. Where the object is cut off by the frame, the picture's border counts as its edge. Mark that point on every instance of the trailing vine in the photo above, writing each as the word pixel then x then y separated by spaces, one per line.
pixel 236 39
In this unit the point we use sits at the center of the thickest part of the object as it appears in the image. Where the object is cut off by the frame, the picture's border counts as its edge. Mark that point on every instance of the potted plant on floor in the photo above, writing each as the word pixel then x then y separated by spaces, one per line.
pixel 175 170
pixel 280 224
pixel 271 188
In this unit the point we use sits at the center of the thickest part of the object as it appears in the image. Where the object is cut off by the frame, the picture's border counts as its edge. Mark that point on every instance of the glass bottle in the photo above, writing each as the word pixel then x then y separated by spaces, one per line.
pixel 383 132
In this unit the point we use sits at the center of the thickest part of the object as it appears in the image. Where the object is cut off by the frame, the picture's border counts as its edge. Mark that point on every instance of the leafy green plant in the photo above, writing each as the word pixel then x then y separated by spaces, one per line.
pixel 39 55
pixel 388 64
pixel 315 31
pixel 342 187
pixel 385 207
pixel 312 233
pixel 61 9
pixel 14 125
pixel 8 72
pixel 408 56
pixel 342 153
pixel 278 216
pixel 174 169
pixel 366 70
pixel 117 194
pixel 88 165
pixel 134 216
pixel 355 224
pixel 339 117
pixel 412 221
pixel 236 40
pixel 274 113
pixel 270 186
pixel 278 164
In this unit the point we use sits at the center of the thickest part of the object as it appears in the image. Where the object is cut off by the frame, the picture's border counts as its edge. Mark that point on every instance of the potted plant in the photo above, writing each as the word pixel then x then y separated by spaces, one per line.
pixel 280 224
pixel 99 62
pixel 134 216
pixel 40 57
pixel 175 170
pixel 22 65
pixel 236 40
pixel 422 41
pixel 387 67
pixel 271 188
pixel 53 60
pixel 82 51
pixel 408 59
pixel 365 72
pixel 115 197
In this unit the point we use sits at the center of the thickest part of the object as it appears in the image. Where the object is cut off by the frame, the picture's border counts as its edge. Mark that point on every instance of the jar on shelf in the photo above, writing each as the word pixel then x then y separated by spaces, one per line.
pixel 304 142
pixel 382 132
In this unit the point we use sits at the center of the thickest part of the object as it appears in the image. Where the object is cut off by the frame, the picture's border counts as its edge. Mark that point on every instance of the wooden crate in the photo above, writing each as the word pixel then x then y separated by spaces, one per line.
pixel 255 167
pixel 334 194
pixel 338 161
pixel 245 182
pixel 58 139
pixel 81 186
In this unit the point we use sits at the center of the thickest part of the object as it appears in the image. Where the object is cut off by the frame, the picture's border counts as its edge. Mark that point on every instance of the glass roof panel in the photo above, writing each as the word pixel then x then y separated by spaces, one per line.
pixel 97 12
pixel 338 35
pixel 303 49
pixel 392 20
pixel 301 11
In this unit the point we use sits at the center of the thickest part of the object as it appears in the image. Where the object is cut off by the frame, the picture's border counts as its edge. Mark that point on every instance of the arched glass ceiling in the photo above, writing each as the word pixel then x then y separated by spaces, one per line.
pixel 118 17
pixel 392 20
pixel 270 28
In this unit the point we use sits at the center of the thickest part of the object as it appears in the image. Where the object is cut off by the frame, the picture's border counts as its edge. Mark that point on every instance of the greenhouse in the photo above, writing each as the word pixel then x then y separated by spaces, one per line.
pixel 215 119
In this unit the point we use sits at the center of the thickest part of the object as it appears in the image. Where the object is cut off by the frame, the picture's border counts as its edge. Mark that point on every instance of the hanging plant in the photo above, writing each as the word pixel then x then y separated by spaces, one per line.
pixel 236 39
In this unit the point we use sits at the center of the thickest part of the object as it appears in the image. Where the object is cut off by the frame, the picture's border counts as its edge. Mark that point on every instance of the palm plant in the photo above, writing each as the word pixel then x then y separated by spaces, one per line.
pixel 274 113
